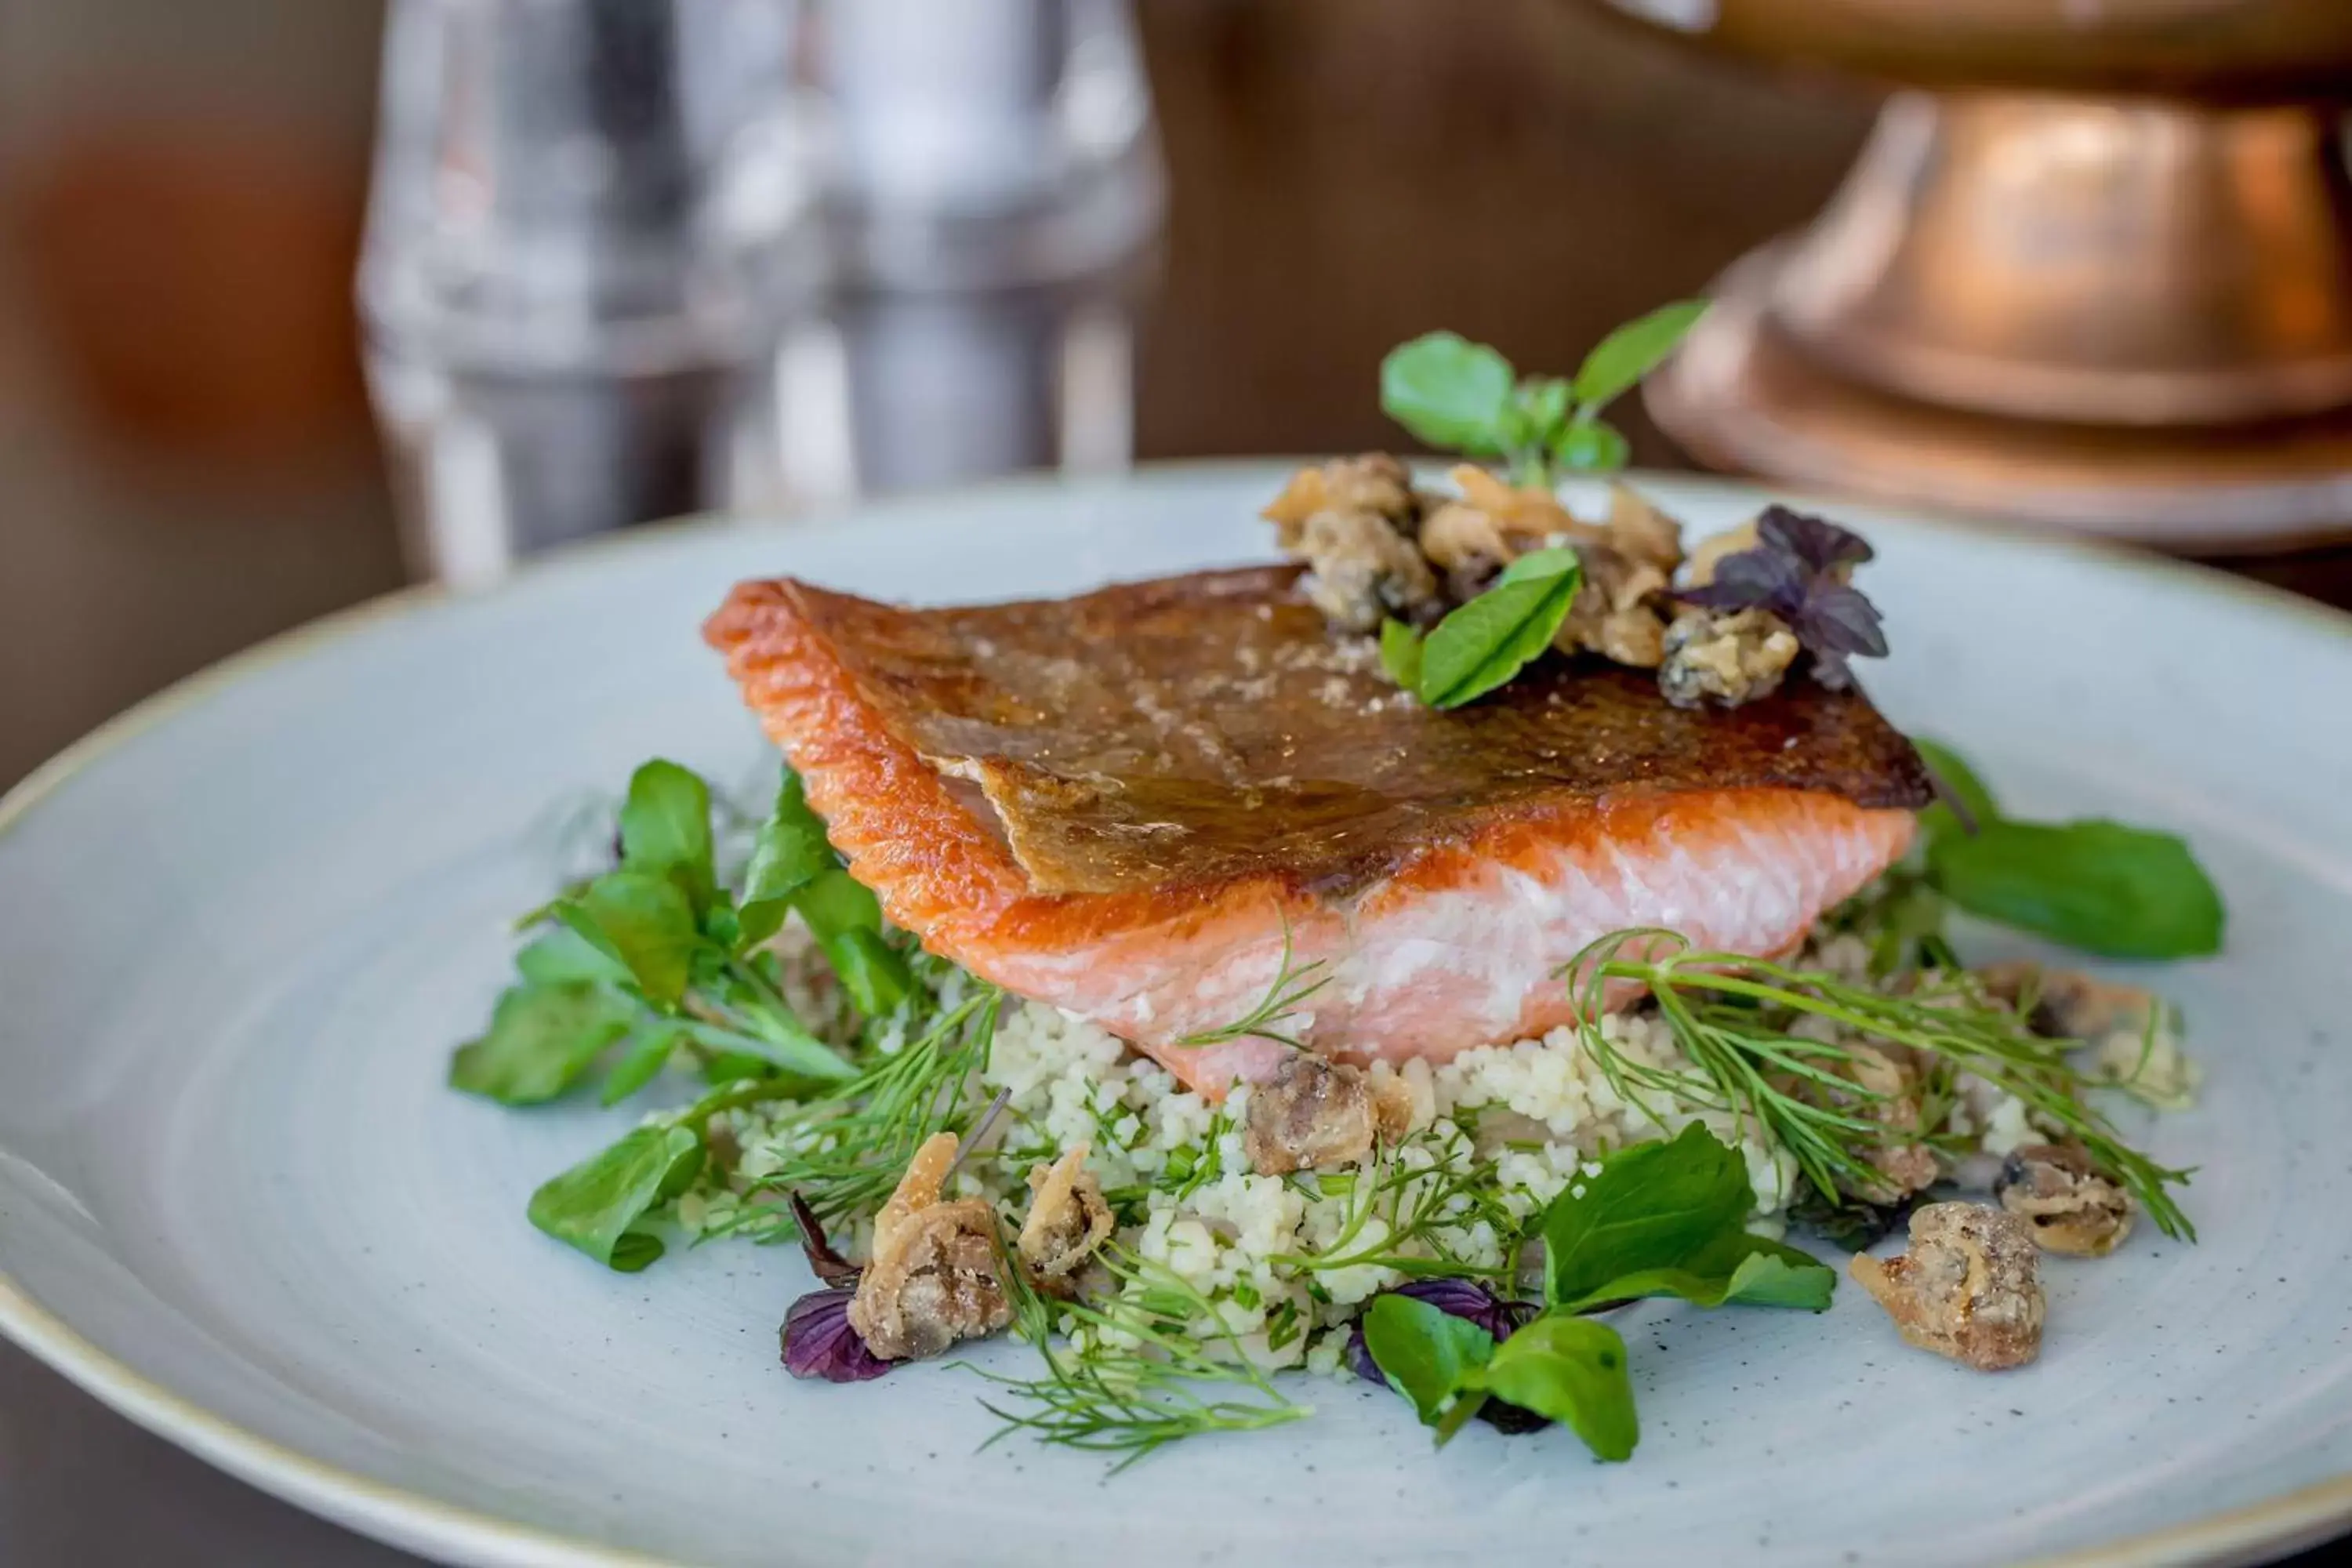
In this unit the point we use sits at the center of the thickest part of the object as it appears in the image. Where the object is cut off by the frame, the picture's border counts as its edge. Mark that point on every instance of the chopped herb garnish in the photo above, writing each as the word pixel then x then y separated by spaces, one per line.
pixel 1484 643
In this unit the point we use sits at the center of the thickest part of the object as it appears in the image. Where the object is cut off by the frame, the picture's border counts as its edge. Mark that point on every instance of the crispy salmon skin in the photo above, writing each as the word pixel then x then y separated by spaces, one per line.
pixel 1124 804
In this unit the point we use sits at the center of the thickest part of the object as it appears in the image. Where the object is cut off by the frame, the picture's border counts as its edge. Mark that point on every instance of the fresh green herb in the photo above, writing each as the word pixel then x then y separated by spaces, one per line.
pixel 648 1051
pixel 1562 1367
pixel 1668 1219
pixel 542 1038
pixel 1141 1371
pixel 2101 887
pixel 849 1146
pixel 1571 1370
pixel 596 1204
pixel 1426 1354
pixel 1283 996
pixel 790 852
pixel 1464 396
pixel 1799 570
pixel 1735 1018
pixel 1401 653
pixel 1404 1209
pixel 1481 644
pixel 846 918
pixel 665 830
pixel 2122 891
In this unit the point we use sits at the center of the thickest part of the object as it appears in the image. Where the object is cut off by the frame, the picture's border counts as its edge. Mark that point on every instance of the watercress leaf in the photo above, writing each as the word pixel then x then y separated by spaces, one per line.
pixel 835 902
pixel 790 853
pixel 644 921
pixel 563 956
pixel 647 1052
pixel 1544 402
pixel 1592 447
pixel 1448 391
pixel 541 1039
pixel 2098 886
pixel 1952 771
pixel 666 828
pixel 594 1205
pixel 874 972
pixel 1631 352
pixel 1738 1269
pixel 1572 1370
pixel 734 1067
pixel 1424 1352
pixel 1490 639
pixel 1653 1206
pixel 1401 653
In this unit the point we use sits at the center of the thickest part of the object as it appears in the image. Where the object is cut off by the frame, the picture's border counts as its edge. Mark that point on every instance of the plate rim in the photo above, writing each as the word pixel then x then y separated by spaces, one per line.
pixel 419 1522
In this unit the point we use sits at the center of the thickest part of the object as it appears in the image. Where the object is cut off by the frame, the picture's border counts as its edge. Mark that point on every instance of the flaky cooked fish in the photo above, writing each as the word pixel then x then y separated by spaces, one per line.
pixel 1125 804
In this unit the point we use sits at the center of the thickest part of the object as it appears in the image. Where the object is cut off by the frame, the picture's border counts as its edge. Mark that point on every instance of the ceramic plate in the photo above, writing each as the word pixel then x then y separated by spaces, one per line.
pixel 243 927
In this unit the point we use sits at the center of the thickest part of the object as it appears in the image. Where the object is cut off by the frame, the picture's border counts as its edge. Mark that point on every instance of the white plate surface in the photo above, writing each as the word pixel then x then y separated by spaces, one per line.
pixel 240 931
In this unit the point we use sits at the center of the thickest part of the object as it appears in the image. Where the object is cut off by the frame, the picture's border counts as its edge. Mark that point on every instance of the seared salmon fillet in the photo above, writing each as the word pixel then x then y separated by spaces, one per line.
pixel 1128 802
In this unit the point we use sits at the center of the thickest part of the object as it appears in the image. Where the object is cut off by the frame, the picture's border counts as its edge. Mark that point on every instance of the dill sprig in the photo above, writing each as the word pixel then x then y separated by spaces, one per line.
pixel 1415 1205
pixel 1733 1017
pixel 1291 988
pixel 1151 1357
pixel 849 1147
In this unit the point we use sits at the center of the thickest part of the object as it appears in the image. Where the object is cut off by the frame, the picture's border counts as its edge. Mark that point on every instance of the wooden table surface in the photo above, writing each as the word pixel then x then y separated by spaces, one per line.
pixel 1344 174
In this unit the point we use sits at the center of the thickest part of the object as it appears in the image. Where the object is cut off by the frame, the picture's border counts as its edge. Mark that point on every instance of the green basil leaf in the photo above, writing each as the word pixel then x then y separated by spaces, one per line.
pixel 665 829
pixel 1592 447
pixel 648 1052
pixel 1631 352
pixel 1424 1353
pixel 1571 1370
pixel 542 1038
pixel 790 852
pixel 1490 639
pixel 644 921
pixel 1962 779
pixel 1653 1206
pixel 563 956
pixel 1738 1269
pixel 1447 390
pixel 1401 653
pixel 1539 565
pixel 2098 886
pixel 595 1204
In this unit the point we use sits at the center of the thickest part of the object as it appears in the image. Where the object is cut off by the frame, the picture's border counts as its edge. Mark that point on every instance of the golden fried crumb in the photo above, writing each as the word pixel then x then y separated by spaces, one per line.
pixel 1970 1288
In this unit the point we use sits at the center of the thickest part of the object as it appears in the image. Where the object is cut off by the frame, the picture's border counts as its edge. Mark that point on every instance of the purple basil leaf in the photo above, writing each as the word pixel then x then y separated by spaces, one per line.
pixel 1467 1300
pixel 824 1262
pixel 1820 544
pixel 1839 619
pixel 820 1343
pixel 1765 578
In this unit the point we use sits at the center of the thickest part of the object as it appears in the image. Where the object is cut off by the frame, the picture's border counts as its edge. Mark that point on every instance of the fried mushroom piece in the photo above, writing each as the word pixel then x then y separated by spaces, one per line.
pixel 1068 1220
pixel 1640 531
pixel 1725 657
pixel 1615 612
pixel 1314 1113
pixel 934 1276
pixel 2073 1207
pixel 1362 572
pixel 2067 1002
pixel 1905 1165
pixel 1375 483
pixel 1970 1288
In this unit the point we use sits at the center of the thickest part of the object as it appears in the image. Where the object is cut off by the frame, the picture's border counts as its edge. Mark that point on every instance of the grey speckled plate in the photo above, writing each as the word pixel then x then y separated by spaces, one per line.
pixel 240 929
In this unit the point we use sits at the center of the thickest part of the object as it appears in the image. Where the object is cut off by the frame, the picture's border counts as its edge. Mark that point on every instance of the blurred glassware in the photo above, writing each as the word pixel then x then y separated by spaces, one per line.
pixel 633 258
pixel 2095 271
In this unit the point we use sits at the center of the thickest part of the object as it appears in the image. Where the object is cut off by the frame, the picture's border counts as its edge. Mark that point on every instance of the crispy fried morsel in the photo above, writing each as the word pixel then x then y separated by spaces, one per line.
pixel 1314 1113
pixel 1374 482
pixel 1640 531
pixel 1365 572
pixel 1710 553
pixel 1970 1287
pixel 1726 657
pixel 933 1279
pixel 1616 611
pixel 2073 1205
pixel 2067 1002
pixel 1068 1220
pixel 1904 1167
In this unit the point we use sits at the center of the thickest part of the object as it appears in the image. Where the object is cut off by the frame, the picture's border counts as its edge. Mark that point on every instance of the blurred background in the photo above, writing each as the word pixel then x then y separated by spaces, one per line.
pixel 300 303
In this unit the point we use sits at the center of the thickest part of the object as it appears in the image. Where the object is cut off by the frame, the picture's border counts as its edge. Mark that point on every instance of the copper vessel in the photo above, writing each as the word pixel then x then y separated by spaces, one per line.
pixel 2094 269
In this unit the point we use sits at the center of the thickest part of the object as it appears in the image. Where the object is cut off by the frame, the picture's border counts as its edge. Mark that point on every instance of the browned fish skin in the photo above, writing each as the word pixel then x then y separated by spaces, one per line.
pixel 1197 729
